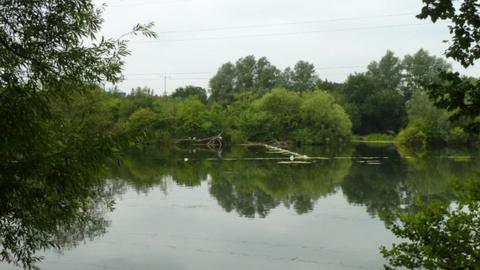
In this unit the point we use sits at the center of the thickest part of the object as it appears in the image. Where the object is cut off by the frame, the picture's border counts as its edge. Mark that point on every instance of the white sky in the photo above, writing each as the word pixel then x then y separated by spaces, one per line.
pixel 339 41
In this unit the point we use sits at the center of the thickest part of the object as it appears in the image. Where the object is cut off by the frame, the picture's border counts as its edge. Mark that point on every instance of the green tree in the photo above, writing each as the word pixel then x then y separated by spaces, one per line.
pixel 441 235
pixel 386 73
pixel 464 27
pixel 266 76
pixel 322 120
pixel 432 121
pixel 453 92
pixel 459 95
pixel 189 91
pixel 216 120
pixel 304 77
pixel 248 74
pixel 331 87
pixel 277 114
pixel 190 118
pixel 222 85
pixel 420 70
pixel 141 121
pixel 383 112
pixel 301 78
pixel 374 109
pixel 245 73
pixel 51 53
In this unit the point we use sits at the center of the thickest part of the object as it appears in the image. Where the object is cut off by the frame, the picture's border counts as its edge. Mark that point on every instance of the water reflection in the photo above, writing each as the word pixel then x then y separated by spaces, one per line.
pixel 253 188
pixel 38 215
pixel 375 176
pixel 400 180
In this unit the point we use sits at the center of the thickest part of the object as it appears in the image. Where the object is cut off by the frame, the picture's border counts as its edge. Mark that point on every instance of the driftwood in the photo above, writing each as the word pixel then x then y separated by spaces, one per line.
pixel 213 142
pixel 288 157
pixel 277 150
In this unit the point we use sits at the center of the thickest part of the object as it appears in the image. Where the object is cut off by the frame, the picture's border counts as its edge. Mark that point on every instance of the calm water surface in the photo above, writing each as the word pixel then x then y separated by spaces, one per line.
pixel 230 210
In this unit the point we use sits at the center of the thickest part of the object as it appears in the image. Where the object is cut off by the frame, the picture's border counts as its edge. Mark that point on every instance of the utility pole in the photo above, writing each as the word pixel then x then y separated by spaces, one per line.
pixel 165 85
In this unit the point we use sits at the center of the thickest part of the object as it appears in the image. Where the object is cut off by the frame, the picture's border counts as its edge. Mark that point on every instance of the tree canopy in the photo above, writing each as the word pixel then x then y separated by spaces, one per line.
pixel 441 235
pixel 54 133
pixel 259 76
pixel 191 91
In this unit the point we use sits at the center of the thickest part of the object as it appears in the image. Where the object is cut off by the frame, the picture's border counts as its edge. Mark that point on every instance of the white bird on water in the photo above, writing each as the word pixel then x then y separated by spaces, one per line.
pixel 292 158
pixel 185 159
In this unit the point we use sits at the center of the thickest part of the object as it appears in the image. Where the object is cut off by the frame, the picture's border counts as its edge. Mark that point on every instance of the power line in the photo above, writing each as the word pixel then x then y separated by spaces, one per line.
pixel 149 3
pixel 169 73
pixel 212 72
pixel 163 79
pixel 288 33
pixel 285 23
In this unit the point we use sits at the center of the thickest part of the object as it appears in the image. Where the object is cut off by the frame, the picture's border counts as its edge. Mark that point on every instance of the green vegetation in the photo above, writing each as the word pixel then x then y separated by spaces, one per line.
pixel 428 124
pixel 312 117
pixel 252 100
pixel 58 127
pixel 374 138
pixel 441 235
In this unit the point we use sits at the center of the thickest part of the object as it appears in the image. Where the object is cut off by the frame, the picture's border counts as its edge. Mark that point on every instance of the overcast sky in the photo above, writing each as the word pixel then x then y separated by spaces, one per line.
pixel 338 37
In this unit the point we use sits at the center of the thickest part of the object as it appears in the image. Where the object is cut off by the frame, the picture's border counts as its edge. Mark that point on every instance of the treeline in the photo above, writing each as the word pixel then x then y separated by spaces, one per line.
pixel 309 118
pixel 252 100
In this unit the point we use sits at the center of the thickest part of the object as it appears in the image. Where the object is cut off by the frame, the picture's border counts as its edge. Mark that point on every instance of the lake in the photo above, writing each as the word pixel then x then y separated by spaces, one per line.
pixel 235 209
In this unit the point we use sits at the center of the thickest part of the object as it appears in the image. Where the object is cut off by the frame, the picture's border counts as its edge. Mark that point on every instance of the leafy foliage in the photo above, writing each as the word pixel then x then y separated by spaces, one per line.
pixel 312 118
pixel 452 92
pixel 56 128
pixel 464 27
pixel 461 96
pixel 441 236
pixel 259 76
pixel 189 91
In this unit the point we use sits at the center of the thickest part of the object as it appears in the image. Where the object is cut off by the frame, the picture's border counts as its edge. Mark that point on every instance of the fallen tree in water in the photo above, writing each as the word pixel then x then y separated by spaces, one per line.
pixel 214 142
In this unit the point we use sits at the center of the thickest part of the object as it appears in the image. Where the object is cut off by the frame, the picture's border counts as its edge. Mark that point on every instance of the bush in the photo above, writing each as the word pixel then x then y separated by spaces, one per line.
pixel 141 121
pixel 236 137
pixel 457 135
pixel 309 118
pixel 412 136
pixel 439 235
pixel 322 120
pixel 431 120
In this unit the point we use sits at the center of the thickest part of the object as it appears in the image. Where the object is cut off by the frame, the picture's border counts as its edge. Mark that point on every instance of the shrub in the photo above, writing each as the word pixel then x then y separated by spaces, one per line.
pixel 412 136
pixel 323 120
pixel 457 135
pixel 236 137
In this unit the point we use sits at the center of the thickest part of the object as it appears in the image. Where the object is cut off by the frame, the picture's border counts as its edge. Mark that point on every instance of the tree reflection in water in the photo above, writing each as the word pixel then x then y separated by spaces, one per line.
pixel 41 214
pixel 254 187
pixel 36 215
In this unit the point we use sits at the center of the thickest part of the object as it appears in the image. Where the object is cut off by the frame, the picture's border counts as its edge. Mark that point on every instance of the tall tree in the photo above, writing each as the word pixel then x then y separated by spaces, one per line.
pixel 245 73
pixel 420 70
pixel 222 85
pixel 189 91
pixel 266 75
pixel 464 26
pixel 373 109
pixel 303 77
pixel 441 235
pixel 451 91
pixel 50 52
pixel 386 73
